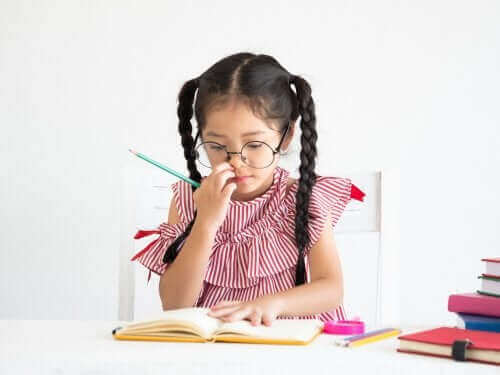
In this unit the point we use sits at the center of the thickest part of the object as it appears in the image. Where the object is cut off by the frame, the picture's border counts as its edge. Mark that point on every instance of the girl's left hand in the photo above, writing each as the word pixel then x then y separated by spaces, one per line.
pixel 264 309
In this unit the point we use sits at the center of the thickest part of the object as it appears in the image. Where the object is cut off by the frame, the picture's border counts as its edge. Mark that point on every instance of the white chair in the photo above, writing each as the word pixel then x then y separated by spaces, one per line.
pixel 367 236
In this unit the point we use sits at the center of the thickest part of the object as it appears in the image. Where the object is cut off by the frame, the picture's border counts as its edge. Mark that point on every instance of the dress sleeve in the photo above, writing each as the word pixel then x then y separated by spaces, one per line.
pixel 152 255
pixel 329 196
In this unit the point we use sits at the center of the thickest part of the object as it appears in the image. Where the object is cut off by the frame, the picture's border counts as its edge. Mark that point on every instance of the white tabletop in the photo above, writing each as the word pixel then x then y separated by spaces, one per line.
pixel 87 347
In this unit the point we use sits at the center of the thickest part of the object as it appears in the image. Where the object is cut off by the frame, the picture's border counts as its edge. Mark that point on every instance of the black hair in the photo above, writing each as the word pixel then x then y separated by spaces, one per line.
pixel 265 86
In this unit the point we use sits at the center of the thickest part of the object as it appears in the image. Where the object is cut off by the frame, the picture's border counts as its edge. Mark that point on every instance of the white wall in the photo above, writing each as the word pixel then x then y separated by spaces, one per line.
pixel 397 84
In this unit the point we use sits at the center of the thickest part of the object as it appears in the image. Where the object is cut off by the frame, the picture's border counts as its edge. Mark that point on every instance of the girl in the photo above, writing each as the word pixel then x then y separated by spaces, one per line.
pixel 250 242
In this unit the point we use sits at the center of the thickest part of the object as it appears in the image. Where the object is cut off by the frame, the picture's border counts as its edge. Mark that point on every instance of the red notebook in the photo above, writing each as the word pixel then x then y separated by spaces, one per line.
pixel 474 303
pixel 438 342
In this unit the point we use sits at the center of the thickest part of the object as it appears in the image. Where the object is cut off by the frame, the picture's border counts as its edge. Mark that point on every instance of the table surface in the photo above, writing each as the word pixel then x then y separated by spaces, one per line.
pixel 87 347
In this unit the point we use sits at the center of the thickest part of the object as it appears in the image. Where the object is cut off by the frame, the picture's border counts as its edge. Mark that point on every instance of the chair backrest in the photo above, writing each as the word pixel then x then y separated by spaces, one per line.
pixel 366 236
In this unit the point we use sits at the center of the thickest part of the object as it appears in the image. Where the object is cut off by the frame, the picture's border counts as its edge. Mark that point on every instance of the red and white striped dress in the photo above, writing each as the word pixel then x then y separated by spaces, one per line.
pixel 254 251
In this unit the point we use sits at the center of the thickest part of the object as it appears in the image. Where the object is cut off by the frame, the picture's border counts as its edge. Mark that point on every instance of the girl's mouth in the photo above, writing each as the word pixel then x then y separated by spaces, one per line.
pixel 240 179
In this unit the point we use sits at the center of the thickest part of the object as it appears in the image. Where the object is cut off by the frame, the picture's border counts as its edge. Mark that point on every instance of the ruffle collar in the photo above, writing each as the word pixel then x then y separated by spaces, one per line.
pixel 248 219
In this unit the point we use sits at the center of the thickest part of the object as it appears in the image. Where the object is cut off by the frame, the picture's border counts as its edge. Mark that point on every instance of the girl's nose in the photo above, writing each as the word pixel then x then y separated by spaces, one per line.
pixel 235 160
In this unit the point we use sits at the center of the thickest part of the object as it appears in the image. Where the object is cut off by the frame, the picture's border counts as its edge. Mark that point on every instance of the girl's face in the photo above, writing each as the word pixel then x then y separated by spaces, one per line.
pixel 233 126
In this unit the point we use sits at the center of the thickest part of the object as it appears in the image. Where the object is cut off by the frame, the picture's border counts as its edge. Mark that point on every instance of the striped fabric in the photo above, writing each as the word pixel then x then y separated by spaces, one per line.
pixel 254 250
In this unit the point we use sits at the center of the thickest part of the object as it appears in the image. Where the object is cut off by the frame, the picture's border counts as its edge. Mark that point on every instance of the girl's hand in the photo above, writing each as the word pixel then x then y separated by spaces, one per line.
pixel 212 197
pixel 264 309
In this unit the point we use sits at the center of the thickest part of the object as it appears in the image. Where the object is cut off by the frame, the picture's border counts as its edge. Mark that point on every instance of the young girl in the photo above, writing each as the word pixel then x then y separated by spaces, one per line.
pixel 251 242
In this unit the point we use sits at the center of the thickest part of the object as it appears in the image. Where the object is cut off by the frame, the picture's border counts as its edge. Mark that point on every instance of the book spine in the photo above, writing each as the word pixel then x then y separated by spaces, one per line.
pixel 477 326
pixel 478 323
pixel 486 305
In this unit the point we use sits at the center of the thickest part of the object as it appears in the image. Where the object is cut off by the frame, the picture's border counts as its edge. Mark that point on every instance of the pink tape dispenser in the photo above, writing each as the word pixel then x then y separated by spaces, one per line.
pixel 344 327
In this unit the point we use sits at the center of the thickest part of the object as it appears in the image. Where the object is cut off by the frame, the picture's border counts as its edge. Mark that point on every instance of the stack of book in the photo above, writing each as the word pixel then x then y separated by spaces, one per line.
pixel 480 310
pixel 476 336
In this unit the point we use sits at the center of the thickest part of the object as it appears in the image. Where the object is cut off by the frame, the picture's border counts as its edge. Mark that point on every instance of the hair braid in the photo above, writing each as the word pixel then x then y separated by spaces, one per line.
pixel 307 177
pixel 185 113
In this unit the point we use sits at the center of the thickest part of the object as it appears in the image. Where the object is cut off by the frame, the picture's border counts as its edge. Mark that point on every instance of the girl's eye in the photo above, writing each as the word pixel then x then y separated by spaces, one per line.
pixel 254 146
pixel 215 148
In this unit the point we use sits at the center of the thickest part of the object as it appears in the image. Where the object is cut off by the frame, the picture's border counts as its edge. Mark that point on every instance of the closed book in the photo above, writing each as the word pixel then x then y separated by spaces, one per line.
pixel 490 286
pixel 492 266
pixel 478 322
pixel 474 303
pixel 444 342
pixel 192 324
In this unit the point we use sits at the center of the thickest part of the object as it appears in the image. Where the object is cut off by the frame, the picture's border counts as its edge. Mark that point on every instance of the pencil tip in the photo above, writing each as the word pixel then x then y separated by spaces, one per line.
pixel 132 151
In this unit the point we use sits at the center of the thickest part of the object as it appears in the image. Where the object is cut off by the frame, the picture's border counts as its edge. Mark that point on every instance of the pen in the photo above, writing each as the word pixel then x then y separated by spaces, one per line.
pixel 165 168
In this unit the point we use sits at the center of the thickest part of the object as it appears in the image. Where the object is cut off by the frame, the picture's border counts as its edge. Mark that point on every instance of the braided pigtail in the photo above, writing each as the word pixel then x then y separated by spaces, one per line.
pixel 185 113
pixel 307 177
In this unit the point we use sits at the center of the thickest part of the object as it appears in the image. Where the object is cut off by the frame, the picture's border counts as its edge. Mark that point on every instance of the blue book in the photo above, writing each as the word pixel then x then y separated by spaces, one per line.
pixel 478 322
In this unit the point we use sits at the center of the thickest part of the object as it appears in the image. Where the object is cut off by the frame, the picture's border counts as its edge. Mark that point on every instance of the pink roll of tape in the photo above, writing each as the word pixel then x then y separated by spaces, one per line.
pixel 344 327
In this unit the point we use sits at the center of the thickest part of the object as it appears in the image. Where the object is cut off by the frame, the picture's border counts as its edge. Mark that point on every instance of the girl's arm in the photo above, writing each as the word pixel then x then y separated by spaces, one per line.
pixel 182 280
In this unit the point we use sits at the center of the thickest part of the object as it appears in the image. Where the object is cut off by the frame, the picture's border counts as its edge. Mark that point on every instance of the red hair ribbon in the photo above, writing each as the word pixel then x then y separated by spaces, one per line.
pixel 356 193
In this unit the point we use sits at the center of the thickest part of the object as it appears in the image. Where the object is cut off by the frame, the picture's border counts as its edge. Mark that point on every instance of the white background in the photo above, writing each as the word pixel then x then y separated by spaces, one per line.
pixel 411 85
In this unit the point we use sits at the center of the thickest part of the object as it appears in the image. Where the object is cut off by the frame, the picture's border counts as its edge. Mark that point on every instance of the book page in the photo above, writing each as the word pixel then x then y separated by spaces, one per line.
pixel 280 329
pixel 193 319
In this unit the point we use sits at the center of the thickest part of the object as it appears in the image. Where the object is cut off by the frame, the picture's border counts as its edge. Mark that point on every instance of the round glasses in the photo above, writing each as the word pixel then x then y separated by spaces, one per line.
pixel 255 154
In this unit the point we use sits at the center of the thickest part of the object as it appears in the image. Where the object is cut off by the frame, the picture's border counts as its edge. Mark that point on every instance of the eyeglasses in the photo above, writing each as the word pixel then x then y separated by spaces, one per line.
pixel 255 154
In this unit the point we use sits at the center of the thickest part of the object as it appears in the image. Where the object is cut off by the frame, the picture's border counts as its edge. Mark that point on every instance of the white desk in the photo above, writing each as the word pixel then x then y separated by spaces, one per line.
pixel 87 347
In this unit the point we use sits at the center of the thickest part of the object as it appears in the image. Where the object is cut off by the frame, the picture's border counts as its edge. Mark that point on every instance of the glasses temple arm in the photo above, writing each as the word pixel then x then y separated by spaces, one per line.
pixel 282 139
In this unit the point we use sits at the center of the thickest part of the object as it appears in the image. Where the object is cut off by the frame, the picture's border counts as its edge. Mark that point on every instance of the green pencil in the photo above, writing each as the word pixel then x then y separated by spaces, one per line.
pixel 169 170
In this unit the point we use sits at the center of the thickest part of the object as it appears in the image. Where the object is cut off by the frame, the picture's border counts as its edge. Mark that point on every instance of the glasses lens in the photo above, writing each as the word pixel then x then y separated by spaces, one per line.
pixel 257 154
pixel 210 153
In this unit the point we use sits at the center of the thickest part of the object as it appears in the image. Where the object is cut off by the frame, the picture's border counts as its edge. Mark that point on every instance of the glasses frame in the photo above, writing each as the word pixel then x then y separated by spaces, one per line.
pixel 275 151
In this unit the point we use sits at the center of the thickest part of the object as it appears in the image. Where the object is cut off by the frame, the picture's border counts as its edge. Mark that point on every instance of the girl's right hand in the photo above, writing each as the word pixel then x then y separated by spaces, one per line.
pixel 211 199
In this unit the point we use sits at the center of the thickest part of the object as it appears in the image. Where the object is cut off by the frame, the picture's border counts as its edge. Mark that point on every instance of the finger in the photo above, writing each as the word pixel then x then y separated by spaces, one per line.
pixel 228 190
pixel 267 320
pixel 256 318
pixel 239 314
pixel 224 307
pixel 225 303
pixel 223 311
pixel 221 179
pixel 221 167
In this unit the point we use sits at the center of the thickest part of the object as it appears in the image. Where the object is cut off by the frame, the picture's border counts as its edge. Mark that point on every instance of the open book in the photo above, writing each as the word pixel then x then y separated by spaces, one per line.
pixel 192 324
